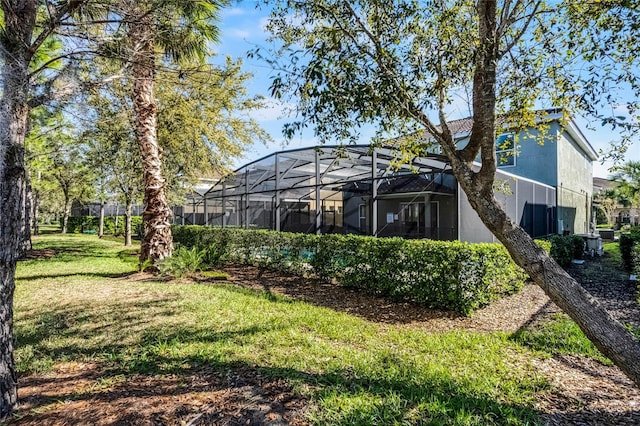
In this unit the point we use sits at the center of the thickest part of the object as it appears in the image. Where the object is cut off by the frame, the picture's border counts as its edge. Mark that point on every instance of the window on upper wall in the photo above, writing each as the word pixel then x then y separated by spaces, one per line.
pixel 506 150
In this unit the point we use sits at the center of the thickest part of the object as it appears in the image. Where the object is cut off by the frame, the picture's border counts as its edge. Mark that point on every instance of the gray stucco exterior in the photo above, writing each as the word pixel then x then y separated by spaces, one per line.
pixel 561 157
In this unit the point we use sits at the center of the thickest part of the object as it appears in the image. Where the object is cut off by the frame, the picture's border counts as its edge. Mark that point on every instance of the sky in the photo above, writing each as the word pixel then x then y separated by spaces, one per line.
pixel 243 29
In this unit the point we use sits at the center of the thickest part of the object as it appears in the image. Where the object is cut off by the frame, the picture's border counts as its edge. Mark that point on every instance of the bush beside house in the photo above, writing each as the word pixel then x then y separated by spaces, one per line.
pixel 445 275
pixel 630 250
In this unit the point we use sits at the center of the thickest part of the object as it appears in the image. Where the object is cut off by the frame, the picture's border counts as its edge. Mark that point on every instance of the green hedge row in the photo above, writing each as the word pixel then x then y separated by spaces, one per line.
pixel 628 242
pixel 77 224
pixel 445 275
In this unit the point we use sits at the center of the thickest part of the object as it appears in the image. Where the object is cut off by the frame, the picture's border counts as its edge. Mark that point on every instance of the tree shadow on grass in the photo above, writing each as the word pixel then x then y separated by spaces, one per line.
pixel 150 379
pixel 237 393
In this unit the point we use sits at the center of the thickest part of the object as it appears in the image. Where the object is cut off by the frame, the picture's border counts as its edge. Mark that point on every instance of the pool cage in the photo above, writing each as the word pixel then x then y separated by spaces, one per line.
pixel 338 189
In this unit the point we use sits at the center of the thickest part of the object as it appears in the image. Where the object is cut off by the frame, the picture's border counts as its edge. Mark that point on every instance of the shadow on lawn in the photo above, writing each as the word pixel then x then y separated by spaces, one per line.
pixel 149 377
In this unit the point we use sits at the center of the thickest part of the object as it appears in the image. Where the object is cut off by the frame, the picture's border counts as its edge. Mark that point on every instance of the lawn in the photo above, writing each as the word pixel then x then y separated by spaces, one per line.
pixel 83 302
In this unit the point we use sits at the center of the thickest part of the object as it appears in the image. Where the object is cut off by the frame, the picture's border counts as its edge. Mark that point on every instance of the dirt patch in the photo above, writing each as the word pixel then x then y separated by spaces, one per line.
pixel 84 394
pixel 507 314
pixel 585 392
pixel 37 254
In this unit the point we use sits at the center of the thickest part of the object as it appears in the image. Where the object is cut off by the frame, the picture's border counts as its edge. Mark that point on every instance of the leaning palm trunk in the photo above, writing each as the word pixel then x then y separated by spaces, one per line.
pixel 157 240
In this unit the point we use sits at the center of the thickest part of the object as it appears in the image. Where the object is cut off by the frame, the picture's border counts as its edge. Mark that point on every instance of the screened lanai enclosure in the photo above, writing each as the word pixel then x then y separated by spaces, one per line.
pixel 359 189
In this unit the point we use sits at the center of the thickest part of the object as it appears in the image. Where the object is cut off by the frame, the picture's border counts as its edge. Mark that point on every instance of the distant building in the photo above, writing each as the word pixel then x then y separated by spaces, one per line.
pixel 622 215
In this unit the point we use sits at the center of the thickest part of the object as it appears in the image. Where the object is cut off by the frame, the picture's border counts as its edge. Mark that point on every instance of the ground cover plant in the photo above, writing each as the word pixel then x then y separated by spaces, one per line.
pixel 81 306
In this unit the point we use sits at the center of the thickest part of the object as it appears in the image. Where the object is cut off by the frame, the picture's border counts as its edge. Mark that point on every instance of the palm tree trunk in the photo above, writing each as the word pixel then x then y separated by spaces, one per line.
pixel 157 242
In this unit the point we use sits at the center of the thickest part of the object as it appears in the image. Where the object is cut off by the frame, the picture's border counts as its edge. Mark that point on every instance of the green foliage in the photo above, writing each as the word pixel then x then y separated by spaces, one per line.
pixel 559 336
pixel 635 258
pixel 545 244
pixel 565 248
pixel 627 243
pixel 351 370
pixel 562 249
pixel 183 262
pixel 577 242
pixel 446 275
pixel 77 224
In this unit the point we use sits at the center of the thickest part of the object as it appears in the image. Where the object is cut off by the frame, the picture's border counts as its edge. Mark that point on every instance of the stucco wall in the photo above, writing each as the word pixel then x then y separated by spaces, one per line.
pixel 536 155
pixel 575 186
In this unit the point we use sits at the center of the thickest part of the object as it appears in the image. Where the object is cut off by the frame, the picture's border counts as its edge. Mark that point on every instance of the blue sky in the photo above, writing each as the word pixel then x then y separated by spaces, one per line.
pixel 242 29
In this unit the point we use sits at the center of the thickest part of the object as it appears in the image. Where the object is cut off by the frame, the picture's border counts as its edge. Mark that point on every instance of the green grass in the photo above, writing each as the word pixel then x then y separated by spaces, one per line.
pixel 612 253
pixel 81 305
pixel 561 335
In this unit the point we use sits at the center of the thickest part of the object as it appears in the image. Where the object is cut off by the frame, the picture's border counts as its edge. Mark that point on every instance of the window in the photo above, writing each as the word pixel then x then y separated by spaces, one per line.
pixel 506 150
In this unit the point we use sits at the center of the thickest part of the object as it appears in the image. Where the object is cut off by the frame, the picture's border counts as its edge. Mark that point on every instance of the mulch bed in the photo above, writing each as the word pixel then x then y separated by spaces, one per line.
pixel 583 391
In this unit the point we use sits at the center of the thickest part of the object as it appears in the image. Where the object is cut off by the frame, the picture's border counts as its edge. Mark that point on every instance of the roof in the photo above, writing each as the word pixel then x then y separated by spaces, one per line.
pixel 295 170
pixel 462 128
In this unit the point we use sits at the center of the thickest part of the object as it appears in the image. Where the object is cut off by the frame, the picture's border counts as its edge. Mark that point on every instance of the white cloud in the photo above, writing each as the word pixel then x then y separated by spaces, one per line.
pixel 273 110
pixel 240 33
pixel 235 11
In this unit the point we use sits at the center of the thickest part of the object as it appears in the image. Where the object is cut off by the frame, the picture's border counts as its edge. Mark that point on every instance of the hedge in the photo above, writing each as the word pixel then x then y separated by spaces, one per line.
pixel 630 260
pixel 77 224
pixel 444 275
pixel 565 248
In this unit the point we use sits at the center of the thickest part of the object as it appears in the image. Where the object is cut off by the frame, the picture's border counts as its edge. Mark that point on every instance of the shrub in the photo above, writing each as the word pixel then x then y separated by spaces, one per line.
pixel 445 275
pixel 577 243
pixel 561 249
pixel 635 258
pixel 627 243
pixel 183 262
pixel 544 244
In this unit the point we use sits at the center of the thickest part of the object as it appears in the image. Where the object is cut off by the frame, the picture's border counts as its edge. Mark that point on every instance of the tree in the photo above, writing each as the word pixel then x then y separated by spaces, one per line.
pixel 45 127
pixel 175 30
pixel 23 32
pixel 604 36
pixel 399 66
pixel 202 121
pixel 628 176
pixel 112 144
pixel 70 171
pixel 201 127
pixel 609 200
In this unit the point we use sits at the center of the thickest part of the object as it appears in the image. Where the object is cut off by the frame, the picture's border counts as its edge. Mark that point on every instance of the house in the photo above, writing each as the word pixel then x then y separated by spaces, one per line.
pixel 618 212
pixel 361 189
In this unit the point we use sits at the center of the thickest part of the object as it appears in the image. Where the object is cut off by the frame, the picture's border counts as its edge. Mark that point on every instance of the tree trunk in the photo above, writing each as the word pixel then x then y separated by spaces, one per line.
pixel 101 221
pixel 157 242
pixel 609 335
pixel 127 224
pixel 36 213
pixel 19 21
pixel 65 213
pixel 115 221
pixel 25 240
